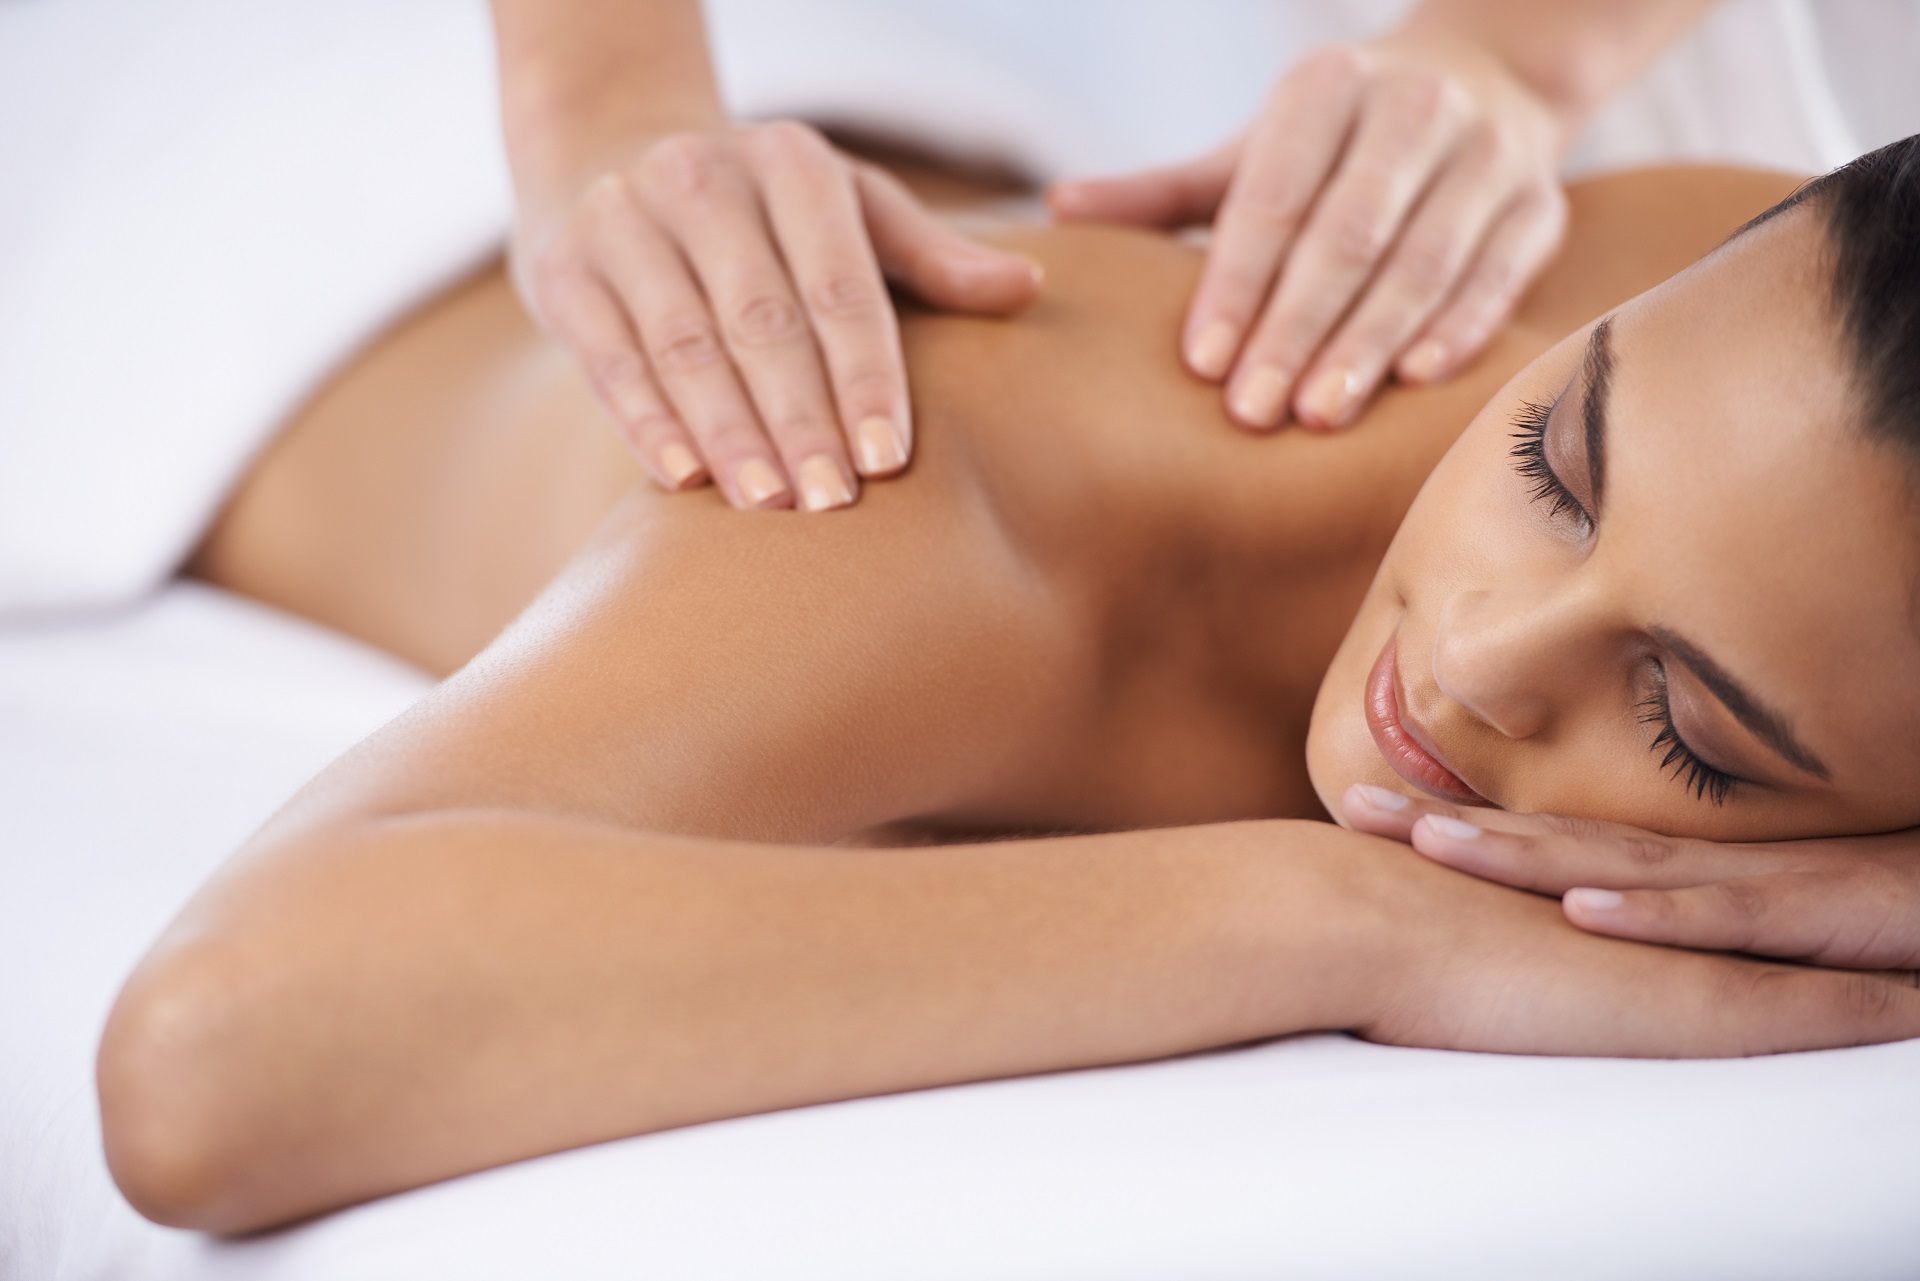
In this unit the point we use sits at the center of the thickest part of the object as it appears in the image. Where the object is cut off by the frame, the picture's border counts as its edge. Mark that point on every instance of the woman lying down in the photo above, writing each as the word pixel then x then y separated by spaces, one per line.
pixel 697 834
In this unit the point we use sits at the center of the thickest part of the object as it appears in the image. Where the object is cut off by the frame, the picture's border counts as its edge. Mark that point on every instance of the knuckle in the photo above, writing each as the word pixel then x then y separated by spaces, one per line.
pixel 787 141
pixel 1419 95
pixel 869 390
pixel 764 319
pixel 1572 826
pixel 730 438
pixel 1329 67
pixel 1647 851
pixel 685 345
pixel 1741 900
pixel 1357 236
pixel 1428 264
pixel 620 370
pixel 607 199
pixel 844 295
pixel 1867 998
pixel 685 164
pixel 1273 202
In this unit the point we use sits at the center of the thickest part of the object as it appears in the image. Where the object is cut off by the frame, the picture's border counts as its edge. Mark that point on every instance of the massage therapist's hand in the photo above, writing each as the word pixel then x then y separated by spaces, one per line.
pixel 1382 215
pixel 725 290
pixel 1850 902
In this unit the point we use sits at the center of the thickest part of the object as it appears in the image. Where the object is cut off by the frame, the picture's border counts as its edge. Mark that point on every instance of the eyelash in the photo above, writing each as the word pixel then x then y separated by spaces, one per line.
pixel 1698 777
pixel 1530 460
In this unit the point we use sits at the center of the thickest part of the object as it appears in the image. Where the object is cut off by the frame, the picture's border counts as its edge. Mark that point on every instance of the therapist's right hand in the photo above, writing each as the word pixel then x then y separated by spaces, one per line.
pixel 726 293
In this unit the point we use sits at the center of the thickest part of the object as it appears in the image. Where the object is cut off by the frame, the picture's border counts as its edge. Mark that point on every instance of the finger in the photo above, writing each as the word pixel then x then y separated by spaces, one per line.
pixel 1823 917
pixel 1683 1005
pixel 1569 852
pixel 933 261
pixel 1285 161
pixel 1523 240
pixel 723 233
pixel 1379 811
pixel 817 223
pixel 684 348
pixel 586 318
pixel 1422 268
pixel 1407 127
pixel 1178 196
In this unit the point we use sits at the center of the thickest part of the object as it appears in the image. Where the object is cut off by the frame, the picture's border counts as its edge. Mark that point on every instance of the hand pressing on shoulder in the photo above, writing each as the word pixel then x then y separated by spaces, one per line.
pixel 1380 217
pixel 726 292
pixel 1845 902
pixel 1391 201
pixel 724 286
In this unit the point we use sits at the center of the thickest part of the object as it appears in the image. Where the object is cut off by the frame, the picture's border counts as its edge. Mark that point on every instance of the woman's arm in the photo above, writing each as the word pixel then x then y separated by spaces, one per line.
pixel 521 919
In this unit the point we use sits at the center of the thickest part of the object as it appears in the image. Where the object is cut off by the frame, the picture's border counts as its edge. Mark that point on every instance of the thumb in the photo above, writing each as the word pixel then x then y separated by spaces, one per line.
pixel 933 261
pixel 1178 196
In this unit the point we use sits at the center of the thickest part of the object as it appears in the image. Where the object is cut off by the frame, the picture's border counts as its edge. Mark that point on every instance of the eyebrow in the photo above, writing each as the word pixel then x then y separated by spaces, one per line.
pixel 1765 724
pixel 1598 375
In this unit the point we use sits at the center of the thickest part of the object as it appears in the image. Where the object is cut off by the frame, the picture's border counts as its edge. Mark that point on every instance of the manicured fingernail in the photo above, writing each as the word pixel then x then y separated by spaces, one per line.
pixel 1595 900
pixel 880 447
pixel 758 483
pixel 1261 396
pixel 1330 399
pixel 822 484
pixel 1211 350
pixel 1380 798
pixel 1451 828
pixel 1423 361
pixel 679 465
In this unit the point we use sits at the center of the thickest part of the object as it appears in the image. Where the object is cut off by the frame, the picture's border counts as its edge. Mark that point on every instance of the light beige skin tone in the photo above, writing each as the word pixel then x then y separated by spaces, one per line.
pixel 722 284
pixel 1391 202
pixel 606 879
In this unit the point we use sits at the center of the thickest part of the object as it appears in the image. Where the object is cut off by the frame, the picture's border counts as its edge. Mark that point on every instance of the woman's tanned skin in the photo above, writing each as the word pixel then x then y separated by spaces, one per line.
pixel 584 889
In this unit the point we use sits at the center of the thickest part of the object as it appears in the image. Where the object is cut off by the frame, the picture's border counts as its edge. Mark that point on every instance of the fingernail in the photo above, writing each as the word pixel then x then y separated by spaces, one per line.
pixel 758 483
pixel 1211 351
pixel 679 465
pixel 881 450
pixel 1595 900
pixel 1261 396
pixel 1380 798
pixel 1451 828
pixel 1423 361
pixel 822 484
pixel 1330 398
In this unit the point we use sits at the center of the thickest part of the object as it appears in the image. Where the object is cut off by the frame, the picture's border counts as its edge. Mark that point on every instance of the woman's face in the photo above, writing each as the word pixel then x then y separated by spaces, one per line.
pixel 1663 579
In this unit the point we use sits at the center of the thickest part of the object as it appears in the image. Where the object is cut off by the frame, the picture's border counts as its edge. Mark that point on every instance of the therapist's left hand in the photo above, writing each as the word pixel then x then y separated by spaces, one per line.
pixel 1851 902
pixel 1381 216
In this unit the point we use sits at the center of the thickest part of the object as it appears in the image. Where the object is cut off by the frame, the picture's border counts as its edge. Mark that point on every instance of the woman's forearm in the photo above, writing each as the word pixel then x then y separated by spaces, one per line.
pixel 580 77
pixel 402 1001
pixel 1573 53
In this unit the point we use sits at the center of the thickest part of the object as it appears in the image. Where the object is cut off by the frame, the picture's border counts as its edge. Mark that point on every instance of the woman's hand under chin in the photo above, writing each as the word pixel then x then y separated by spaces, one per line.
pixel 1849 902
pixel 1476 965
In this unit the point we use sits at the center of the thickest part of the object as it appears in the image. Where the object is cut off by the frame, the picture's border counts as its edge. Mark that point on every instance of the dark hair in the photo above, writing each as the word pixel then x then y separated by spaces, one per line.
pixel 1870 210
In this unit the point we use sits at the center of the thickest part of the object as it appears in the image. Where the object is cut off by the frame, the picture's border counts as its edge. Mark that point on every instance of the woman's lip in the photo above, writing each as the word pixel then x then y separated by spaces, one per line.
pixel 1404 748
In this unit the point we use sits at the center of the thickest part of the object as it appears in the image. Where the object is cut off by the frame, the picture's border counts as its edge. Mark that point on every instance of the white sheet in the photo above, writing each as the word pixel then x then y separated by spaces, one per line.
pixel 136 750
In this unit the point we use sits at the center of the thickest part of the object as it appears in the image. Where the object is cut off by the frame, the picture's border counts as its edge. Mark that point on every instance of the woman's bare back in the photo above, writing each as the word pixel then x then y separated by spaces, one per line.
pixel 446 477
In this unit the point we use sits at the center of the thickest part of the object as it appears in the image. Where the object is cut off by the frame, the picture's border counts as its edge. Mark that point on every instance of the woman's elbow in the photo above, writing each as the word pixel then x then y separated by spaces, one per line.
pixel 181 1093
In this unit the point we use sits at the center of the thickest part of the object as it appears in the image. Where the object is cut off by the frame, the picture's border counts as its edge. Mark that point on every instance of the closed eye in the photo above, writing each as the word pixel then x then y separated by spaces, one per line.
pixel 1529 455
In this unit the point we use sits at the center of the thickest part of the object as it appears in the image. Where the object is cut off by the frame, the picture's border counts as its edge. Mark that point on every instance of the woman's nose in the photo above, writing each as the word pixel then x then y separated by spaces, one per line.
pixel 1507 657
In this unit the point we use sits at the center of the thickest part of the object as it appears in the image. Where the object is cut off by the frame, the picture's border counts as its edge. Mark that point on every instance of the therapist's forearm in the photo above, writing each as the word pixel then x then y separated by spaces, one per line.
pixel 1574 53
pixel 581 78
